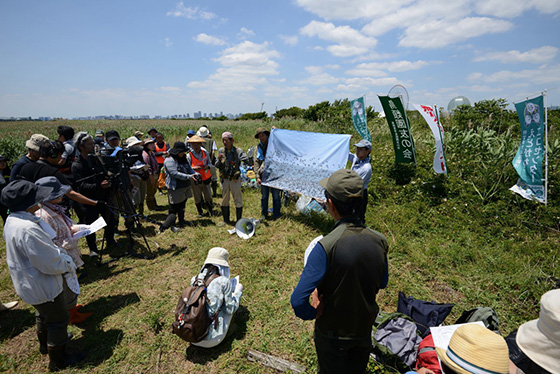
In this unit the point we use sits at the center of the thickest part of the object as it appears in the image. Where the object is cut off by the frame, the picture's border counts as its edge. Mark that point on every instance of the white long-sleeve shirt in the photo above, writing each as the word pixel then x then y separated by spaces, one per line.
pixel 221 296
pixel 35 263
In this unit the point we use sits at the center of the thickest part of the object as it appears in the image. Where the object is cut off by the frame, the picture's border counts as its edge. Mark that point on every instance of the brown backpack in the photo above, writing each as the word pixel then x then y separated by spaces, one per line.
pixel 192 322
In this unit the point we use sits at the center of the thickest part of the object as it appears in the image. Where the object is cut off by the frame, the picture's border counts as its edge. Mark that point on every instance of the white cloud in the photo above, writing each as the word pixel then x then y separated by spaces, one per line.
pixel 321 79
pixel 289 40
pixel 511 9
pixel 245 33
pixel 373 68
pixel 167 42
pixel 438 34
pixel 537 55
pixel 350 42
pixel 350 9
pixel 317 69
pixel 485 88
pixel 419 12
pixel 170 89
pixel 190 12
pixel 543 75
pixel 243 67
pixel 208 39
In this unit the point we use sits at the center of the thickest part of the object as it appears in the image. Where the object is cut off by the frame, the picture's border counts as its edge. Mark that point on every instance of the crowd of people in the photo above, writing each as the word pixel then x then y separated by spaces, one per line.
pixel 342 274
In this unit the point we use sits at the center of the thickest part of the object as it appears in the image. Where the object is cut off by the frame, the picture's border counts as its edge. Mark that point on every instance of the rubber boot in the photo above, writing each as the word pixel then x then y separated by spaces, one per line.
pixel 239 213
pixel 42 336
pixel 225 214
pixel 181 218
pixel 59 359
pixel 199 209
pixel 210 208
pixel 214 188
pixel 77 317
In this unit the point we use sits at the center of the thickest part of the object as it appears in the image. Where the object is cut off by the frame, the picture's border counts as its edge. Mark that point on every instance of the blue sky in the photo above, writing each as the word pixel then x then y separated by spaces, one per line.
pixel 72 58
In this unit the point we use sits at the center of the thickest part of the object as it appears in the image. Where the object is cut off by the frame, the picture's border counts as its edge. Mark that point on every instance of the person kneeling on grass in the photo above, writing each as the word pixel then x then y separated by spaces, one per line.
pixel 223 295
pixel 39 269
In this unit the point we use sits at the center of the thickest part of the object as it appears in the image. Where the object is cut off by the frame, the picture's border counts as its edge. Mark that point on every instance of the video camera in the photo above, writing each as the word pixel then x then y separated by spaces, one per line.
pixel 118 161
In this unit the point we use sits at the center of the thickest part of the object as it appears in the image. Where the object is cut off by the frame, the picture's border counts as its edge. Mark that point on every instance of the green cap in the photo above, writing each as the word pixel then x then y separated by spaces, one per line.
pixel 343 184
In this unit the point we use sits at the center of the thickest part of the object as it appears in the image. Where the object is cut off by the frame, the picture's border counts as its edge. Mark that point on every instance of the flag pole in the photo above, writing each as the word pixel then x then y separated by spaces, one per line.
pixel 546 147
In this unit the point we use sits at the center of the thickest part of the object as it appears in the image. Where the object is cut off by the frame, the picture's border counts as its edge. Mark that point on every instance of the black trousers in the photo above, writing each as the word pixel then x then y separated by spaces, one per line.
pixel 335 356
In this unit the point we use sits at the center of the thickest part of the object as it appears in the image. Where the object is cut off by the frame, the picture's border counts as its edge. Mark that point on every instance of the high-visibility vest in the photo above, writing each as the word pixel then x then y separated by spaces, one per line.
pixel 165 148
pixel 204 173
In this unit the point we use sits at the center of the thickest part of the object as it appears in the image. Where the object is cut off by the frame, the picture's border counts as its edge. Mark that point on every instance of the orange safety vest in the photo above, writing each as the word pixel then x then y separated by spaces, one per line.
pixel 204 173
pixel 165 148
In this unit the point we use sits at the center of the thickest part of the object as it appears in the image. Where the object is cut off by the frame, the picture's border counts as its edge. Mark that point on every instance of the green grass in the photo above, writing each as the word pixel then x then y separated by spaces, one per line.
pixel 447 244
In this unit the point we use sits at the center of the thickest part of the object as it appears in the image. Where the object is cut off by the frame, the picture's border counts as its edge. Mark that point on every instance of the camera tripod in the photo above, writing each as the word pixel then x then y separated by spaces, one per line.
pixel 121 197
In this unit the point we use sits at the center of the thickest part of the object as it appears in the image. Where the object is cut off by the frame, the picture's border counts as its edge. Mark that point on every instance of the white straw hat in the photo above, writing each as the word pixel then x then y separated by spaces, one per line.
pixel 217 256
pixel 475 349
pixel 539 339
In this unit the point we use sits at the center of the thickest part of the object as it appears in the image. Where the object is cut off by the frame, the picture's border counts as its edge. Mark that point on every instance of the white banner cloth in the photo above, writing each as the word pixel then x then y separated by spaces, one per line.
pixel 297 160
pixel 428 112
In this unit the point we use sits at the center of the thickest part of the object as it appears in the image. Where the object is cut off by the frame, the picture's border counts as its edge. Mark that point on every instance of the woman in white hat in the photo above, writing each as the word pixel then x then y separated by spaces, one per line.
pixel 62 230
pixel 535 349
pixel 223 293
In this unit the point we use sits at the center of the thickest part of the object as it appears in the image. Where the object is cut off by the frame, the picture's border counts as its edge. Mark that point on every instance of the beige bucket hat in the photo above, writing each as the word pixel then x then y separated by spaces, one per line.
pixel 539 339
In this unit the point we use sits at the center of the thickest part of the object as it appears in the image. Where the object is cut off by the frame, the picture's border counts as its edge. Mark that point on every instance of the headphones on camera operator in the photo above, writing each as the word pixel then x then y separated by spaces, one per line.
pixel 49 148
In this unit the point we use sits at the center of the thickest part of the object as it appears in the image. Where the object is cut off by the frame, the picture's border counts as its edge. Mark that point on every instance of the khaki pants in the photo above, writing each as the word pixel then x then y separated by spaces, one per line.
pixel 235 187
pixel 202 188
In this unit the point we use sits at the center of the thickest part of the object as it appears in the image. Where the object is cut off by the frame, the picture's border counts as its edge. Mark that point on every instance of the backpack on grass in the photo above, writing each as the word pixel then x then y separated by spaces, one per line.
pixel 192 321
pixel 395 341
pixel 483 313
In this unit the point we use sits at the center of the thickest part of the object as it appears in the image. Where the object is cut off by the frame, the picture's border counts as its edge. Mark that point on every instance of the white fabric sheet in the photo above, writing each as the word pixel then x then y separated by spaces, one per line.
pixel 297 160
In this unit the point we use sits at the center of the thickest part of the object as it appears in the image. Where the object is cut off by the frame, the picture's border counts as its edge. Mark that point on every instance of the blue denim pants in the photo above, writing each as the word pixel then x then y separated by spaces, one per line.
pixel 276 203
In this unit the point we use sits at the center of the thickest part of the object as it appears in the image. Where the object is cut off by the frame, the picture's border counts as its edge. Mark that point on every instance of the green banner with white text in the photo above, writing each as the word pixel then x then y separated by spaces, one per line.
pixel 400 129
pixel 529 157
pixel 359 119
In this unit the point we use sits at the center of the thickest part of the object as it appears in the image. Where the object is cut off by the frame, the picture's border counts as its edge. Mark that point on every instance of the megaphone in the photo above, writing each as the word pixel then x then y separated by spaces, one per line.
pixel 245 227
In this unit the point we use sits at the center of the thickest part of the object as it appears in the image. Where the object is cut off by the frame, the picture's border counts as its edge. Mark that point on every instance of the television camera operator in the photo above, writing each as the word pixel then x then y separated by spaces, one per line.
pixel 91 180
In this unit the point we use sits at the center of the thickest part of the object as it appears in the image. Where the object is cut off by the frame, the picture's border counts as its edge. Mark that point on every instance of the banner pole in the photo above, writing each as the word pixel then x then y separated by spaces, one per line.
pixel 546 147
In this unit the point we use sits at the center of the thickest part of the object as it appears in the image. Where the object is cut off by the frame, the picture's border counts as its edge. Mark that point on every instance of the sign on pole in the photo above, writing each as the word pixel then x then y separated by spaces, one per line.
pixel 528 160
pixel 358 109
pixel 400 129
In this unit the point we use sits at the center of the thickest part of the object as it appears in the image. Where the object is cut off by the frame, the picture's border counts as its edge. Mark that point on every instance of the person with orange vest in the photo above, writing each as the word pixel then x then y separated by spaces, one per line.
pixel 199 159
pixel 161 152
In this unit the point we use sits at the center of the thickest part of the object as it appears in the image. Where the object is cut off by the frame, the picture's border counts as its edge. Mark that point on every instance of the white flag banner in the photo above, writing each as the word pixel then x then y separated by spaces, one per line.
pixel 430 115
pixel 297 160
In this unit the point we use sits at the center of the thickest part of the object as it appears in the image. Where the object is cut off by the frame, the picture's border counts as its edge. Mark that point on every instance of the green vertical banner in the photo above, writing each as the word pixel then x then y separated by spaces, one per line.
pixel 358 109
pixel 528 160
pixel 400 129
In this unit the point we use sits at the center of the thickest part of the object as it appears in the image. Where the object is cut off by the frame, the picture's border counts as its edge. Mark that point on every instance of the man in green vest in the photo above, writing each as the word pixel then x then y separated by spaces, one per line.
pixel 344 272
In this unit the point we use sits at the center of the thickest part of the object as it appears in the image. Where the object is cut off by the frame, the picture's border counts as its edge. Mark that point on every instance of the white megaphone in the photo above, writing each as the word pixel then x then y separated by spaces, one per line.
pixel 245 227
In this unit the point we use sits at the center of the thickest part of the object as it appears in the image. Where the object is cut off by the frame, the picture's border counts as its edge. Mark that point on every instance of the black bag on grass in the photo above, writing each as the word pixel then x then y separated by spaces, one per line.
pixel 426 314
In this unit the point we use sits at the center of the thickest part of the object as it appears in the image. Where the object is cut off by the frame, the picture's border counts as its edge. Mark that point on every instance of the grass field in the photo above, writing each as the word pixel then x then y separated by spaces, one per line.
pixel 464 239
